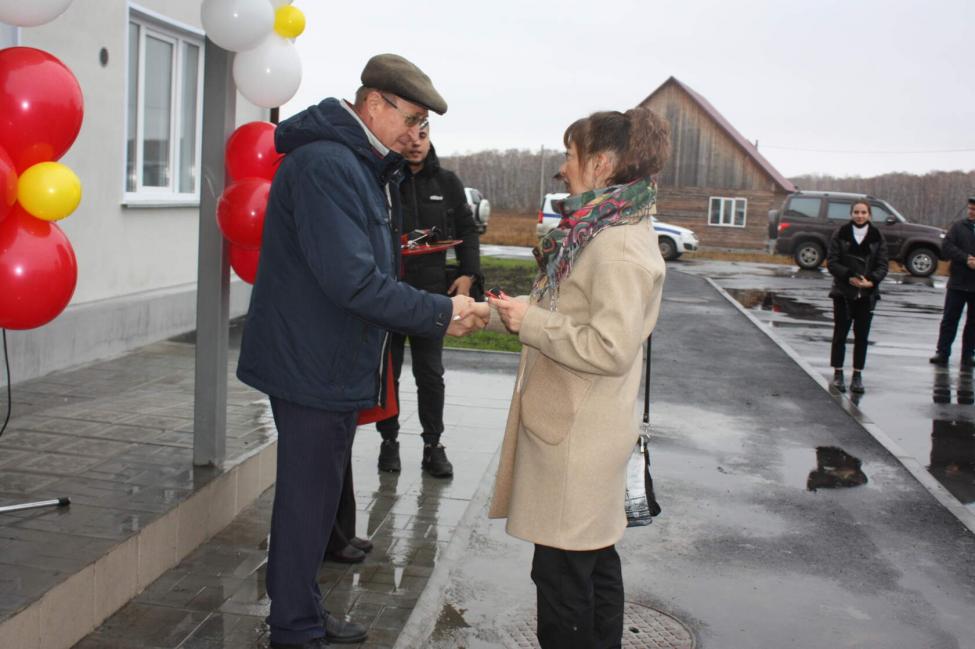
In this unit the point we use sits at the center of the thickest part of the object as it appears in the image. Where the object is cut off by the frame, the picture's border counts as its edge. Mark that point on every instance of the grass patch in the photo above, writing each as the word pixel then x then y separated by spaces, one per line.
pixel 486 340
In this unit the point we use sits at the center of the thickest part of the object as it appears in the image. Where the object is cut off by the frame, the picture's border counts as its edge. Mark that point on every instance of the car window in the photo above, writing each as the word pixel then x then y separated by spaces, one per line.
pixel 838 211
pixel 879 213
pixel 804 206
pixel 477 196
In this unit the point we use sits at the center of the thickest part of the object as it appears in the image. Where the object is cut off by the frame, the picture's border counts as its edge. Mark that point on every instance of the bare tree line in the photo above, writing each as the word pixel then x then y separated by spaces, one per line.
pixel 516 179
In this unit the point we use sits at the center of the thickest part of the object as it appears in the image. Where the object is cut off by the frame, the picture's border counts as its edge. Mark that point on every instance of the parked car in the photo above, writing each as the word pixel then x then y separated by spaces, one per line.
pixel 803 225
pixel 673 239
pixel 480 208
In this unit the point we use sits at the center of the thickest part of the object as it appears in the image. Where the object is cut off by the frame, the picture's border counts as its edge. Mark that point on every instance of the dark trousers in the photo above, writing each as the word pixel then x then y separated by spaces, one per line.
pixel 859 313
pixel 580 598
pixel 427 356
pixel 313 451
pixel 344 528
pixel 955 302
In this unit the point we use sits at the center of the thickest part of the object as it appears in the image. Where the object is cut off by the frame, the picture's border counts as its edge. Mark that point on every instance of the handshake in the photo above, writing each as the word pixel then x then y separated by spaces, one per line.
pixel 468 316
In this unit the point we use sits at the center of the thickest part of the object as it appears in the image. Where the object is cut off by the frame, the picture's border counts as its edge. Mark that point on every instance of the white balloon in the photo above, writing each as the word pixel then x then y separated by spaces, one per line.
pixel 269 74
pixel 277 4
pixel 24 13
pixel 237 25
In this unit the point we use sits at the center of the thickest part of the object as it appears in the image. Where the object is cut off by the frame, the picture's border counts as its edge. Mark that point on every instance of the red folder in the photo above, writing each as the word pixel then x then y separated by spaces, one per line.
pixel 383 410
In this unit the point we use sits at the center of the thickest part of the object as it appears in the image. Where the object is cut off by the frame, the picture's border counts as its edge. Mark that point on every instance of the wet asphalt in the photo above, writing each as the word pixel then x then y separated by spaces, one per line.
pixel 745 554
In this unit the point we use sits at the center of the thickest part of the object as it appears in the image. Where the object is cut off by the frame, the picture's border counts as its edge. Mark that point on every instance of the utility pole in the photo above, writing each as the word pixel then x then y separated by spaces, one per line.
pixel 541 175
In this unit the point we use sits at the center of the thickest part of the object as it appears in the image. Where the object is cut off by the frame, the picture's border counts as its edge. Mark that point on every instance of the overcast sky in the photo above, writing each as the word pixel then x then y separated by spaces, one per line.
pixel 845 87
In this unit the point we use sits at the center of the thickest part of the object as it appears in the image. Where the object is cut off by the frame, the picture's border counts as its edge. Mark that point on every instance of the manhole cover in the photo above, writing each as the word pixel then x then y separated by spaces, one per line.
pixel 643 627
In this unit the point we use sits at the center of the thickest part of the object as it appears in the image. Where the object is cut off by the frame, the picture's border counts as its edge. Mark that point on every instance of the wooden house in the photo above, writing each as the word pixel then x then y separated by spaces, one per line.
pixel 716 182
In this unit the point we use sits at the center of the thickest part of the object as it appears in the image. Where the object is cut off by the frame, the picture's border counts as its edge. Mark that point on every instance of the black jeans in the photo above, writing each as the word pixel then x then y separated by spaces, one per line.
pixel 344 528
pixel 313 447
pixel 955 302
pixel 427 356
pixel 859 313
pixel 580 598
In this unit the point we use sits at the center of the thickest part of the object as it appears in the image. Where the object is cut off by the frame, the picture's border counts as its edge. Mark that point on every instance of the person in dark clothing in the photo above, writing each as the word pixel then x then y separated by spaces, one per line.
pixel 857 260
pixel 433 197
pixel 324 300
pixel 959 249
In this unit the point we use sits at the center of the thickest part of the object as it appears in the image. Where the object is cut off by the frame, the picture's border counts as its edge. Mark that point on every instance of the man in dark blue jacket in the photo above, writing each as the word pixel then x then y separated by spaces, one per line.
pixel 324 301
pixel 959 249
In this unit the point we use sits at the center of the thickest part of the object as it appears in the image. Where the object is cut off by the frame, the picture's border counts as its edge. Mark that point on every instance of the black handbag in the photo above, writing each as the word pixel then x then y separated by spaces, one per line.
pixel 641 502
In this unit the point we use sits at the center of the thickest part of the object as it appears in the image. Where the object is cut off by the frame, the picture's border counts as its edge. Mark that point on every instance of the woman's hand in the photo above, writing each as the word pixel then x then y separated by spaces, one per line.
pixel 512 312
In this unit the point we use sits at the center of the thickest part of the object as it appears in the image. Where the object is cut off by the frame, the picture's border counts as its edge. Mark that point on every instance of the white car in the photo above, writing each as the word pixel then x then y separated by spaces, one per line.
pixel 480 208
pixel 673 239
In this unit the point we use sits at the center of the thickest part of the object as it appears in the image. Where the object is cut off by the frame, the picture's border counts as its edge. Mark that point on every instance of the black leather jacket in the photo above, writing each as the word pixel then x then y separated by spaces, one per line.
pixel 434 197
pixel 847 258
pixel 958 244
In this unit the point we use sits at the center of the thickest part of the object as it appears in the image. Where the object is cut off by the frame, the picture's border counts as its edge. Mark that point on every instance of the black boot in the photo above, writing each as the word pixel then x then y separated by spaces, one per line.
pixel 339 631
pixel 856 383
pixel 838 383
pixel 389 456
pixel 435 461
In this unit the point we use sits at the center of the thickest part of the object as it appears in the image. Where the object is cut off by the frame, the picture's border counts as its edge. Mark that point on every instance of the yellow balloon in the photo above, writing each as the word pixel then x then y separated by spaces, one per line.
pixel 289 22
pixel 49 191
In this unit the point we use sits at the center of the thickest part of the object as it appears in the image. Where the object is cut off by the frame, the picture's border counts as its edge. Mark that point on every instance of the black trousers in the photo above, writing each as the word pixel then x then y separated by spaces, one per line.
pixel 313 451
pixel 580 598
pixel 859 313
pixel 427 357
pixel 955 302
pixel 344 527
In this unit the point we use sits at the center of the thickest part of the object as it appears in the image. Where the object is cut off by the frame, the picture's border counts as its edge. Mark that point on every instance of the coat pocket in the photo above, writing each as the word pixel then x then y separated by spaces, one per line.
pixel 550 400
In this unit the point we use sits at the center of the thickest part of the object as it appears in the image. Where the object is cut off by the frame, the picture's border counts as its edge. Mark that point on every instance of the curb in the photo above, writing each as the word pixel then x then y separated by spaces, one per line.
pixel 916 469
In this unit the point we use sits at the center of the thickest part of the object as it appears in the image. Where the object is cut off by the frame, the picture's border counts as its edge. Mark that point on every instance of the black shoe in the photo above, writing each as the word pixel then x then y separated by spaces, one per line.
pixel 317 643
pixel 856 384
pixel 939 359
pixel 838 383
pixel 435 461
pixel 967 362
pixel 389 456
pixel 361 544
pixel 348 554
pixel 338 631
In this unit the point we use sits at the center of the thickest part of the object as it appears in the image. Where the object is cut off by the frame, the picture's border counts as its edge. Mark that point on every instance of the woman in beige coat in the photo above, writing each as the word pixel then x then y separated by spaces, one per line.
pixel 573 418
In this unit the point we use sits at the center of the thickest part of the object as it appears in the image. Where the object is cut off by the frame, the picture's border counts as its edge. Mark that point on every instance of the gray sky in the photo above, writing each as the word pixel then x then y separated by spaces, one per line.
pixel 883 79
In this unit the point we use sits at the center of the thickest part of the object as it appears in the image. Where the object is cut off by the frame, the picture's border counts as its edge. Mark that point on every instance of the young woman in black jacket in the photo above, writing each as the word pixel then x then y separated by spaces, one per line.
pixel 857 261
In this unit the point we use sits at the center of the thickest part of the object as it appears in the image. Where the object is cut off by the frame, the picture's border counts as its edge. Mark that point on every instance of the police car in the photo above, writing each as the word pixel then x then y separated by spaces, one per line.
pixel 673 239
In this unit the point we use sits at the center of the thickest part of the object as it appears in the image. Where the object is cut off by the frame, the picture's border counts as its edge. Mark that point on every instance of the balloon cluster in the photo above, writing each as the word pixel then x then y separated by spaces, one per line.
pixel 42 108
pixel 251 162
pixel 267 69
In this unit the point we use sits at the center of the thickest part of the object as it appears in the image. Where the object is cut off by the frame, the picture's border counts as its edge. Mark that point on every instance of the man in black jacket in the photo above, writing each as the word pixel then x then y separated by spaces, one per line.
pixel 432 197
pixel 959 248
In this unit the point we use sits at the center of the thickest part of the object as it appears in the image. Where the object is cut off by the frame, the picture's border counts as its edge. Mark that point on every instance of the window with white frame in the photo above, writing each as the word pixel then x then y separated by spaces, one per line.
pixel 164 112
pixel 730 212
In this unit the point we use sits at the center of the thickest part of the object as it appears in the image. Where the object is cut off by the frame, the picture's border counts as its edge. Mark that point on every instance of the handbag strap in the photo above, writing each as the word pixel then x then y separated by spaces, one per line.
pixel 646 389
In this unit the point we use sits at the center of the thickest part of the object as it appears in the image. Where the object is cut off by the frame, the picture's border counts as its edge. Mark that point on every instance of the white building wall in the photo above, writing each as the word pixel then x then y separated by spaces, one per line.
pixel 136 263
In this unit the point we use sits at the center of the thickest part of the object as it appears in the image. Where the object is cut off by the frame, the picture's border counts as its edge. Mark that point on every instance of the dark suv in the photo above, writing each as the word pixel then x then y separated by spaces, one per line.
pixel 803 226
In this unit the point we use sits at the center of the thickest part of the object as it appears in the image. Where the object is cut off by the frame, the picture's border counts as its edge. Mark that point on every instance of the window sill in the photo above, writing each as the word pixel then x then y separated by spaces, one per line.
pixel 159 203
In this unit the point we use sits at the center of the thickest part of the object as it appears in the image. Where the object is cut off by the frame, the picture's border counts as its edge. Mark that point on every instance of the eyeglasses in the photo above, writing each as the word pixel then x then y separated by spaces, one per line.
pixel 411 119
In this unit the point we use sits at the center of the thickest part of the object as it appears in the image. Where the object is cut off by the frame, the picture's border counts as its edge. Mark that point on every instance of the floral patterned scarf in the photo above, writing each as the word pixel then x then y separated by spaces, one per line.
pixel 583 217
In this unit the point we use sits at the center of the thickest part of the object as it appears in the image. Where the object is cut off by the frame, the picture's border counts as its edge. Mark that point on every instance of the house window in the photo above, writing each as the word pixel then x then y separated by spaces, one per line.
pixel 164 112
pixel 729 212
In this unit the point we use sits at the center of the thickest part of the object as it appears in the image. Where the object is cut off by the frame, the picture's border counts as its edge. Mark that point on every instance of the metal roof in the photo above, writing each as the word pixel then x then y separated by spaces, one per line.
pixel 739 139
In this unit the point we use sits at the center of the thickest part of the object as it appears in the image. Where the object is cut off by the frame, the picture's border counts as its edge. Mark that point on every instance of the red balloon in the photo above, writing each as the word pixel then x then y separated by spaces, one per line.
pixel 240 211
pixel 8 183
pixel 244 262
pixel 250 152
pixel 41 106
pixel 38 271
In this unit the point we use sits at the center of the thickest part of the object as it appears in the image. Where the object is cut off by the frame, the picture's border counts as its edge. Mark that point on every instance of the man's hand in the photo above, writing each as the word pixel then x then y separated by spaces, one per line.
pixel 461 286
pixel 512 312
pixel 462 306
pixel 476 319
pixel 971 262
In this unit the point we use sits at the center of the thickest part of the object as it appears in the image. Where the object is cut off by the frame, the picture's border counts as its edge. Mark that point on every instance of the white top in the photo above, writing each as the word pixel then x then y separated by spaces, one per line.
pixel 860 232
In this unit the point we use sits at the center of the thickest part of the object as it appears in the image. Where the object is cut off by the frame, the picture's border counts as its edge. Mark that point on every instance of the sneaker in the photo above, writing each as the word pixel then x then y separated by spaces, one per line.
pixel 939 359
pixel 339 631
pixel 389 456
pixel 435 461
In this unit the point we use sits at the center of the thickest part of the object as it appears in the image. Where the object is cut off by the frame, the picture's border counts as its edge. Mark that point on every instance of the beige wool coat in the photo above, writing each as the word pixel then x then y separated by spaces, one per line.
pixel 573 420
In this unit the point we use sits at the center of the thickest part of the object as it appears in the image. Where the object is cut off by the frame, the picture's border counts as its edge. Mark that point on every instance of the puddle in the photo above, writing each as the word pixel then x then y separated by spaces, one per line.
pixel 952 460
pixel 835 468
pixel 450 619
pixel 762 300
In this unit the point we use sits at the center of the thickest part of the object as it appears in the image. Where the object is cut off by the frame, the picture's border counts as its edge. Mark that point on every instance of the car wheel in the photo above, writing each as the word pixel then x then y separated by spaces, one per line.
pixel 668 249
pixel 921 262
pixel 809 255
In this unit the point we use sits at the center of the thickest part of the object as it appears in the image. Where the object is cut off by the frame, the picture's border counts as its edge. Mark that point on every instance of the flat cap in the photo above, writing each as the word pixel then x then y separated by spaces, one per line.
pixel 393 73
pixel 971 200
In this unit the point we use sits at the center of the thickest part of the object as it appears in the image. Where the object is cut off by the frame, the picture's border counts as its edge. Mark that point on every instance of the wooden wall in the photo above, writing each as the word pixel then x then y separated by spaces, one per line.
pixel 688 207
